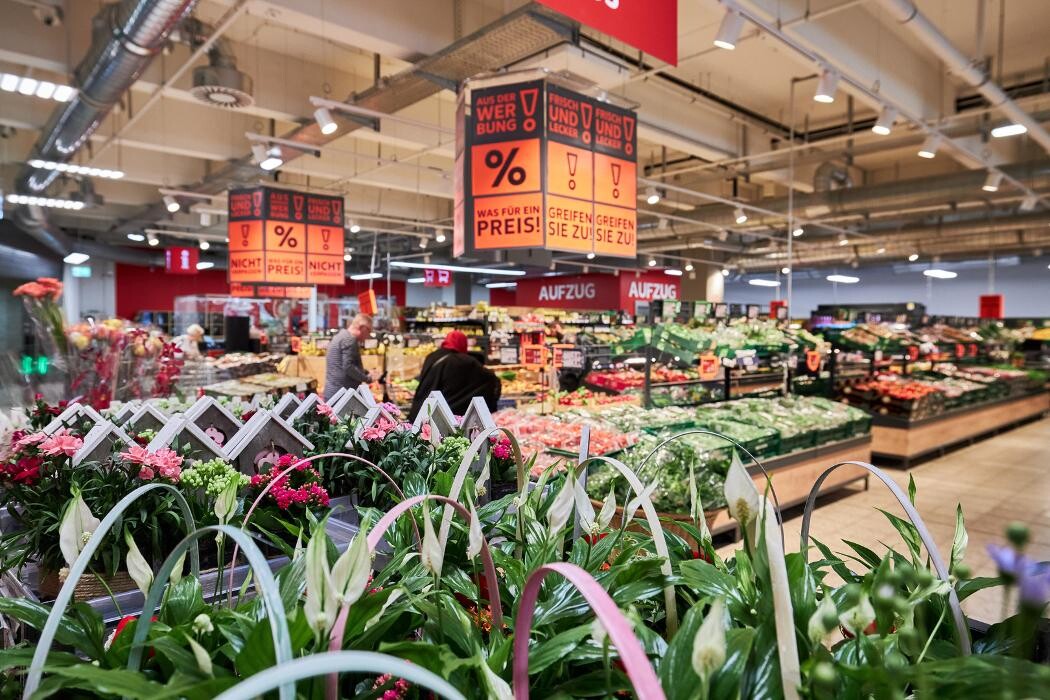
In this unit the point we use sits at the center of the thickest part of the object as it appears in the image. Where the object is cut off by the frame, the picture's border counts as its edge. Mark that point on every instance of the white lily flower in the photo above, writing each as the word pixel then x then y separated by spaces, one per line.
pixel 631 509
pixel 202 624
pixel 709 645
pixel 817 629
pixel 200 654
pixel 481 485
pixel 605 515
pixel 742 497
pixel 226 503
pixel 474 535
pixel 176 571
pixel 497 687
pixel 433 553
pixel 857 618
pixel 561 508
pixel 76 528
pixel 138 568
pixel 584 509
pixel 319 606
pixel 349 576
pixel 394 595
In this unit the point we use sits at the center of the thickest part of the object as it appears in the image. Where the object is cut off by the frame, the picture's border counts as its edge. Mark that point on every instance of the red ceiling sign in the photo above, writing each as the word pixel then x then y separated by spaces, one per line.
pixel 596 292
pixel 436 278
pixel 649 25
pixel 181 260
pixel 285 237
pixel 991 306
pixel 367 302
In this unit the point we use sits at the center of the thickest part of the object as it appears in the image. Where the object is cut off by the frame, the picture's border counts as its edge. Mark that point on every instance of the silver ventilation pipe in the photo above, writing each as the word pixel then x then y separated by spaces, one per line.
pixel 831 176
pixel 127 36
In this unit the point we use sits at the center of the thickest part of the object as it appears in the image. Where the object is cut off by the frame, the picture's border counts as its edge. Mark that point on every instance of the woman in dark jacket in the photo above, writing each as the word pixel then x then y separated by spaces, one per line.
pixel 458 375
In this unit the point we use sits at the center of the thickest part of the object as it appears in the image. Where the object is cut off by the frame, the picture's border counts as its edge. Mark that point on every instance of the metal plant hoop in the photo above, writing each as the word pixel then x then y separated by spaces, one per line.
pixel 958 618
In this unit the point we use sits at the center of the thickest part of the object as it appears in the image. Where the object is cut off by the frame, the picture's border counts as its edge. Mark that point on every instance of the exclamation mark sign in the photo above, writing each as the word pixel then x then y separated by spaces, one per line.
pixel 245 230
pixel 528 105
pixel 325 235
pixel 616 179
pixel 573 158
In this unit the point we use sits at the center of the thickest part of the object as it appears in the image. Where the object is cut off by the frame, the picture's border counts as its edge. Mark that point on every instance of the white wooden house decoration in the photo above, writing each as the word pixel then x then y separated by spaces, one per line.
pixel 75 415
pixel 374 415
pixel 355 404
pixel 436 411
pixel 125 411
pixel 214 420
pixel 337 395
pixel 285 405
pixel 101 442
pixel 262 441
pixel 477 420
pixel 186 438
pixel 308 404
pixel 147 417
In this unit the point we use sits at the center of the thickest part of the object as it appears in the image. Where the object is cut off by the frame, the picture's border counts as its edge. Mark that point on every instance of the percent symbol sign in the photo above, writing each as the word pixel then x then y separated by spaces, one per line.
pixel 494 159
pixel 285 235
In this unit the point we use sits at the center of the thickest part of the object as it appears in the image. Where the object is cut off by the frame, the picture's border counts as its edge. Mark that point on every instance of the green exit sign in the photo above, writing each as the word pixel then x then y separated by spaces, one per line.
pixel 35 365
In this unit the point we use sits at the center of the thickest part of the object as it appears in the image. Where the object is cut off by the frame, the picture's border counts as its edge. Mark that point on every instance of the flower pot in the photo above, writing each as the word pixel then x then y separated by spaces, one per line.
pixel 88 587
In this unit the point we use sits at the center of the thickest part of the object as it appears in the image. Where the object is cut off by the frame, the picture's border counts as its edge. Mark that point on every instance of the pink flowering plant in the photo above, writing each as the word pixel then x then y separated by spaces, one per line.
pixel 292 501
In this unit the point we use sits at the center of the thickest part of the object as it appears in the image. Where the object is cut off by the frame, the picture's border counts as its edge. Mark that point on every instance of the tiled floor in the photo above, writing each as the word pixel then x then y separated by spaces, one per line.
pixel 999 480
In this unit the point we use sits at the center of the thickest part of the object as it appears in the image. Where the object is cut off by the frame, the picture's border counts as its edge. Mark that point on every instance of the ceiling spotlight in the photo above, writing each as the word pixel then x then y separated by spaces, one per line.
pixel 273 160
pixel 913 257
pixel 205 245
pixel 884 124
pixel 355 227
pixel 171 204
pixel 725 272
pixel 880 251
pixel 258 153
pixel 826 86
pixel 992 181
pixel 347 257
pixel 324 120
pixel 740 216
pixel 1009 130
pixel 843 279
pixel 729 31
pixel 930 146
pixel 590 256
pixel 204 265
pixel 843 240
pixel 798 232
pixel 763 283
pixel 137 237
pixel 689 267
pixel 652 195
pixel 153 241
pixel 76 258
pixel 1029 202
pixel 423 243
pixel 205 219
pixel 652 262
pixel 940 274
pixel 439 236
pixel 785 270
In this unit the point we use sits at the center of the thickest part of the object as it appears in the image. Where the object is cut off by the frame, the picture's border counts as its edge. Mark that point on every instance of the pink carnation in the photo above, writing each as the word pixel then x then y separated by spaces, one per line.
pixel 373 433
pixel 137 454
pixel 29 439
pixel 391 408
pixel 168 463
pixel 424 432
pixel 146 473
pixel 385 425
pixel 61 442
pixel 323 409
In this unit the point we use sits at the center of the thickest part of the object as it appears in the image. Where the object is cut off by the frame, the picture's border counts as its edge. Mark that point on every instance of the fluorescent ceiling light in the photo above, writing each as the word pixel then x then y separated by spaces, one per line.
pixel 652 195
pixel 273 159
pixel 930 146
pixel 940 274
pixel 1009 130
pixel 171 204
pixel 8 82
pixel 843 279
pixel 740 216
pixel 673 272
pixel 458 268
pixel 50 202
pixel 367 276
pixel 798 232
pixel 826 87
pixel 501 285
pixel 324 120
pixel 884 124
pixel 76 258
pixel 203 265
pixel 137 237
pixel 27 86
pixel 729 31
pixel 913 257
pixel 992 181
pixel 205 245
pixel 763 283
pixel 63 93
pixel 44 89
pixel 416 280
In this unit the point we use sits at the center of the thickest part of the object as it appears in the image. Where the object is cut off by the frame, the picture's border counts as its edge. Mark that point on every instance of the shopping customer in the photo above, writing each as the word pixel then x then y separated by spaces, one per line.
pixel 458 375
pixel 343 366
pixel 189 344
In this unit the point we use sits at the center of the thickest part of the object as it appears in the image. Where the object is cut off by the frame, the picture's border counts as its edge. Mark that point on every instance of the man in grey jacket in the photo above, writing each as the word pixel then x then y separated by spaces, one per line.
pixel 343 366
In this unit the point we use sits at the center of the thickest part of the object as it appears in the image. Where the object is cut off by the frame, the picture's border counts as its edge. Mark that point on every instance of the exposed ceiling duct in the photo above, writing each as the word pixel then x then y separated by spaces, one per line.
pixel 219 83
pixel 126 38
pixel 831 176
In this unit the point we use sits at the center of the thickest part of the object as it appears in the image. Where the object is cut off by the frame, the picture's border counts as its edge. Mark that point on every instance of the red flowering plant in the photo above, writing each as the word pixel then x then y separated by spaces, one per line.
pixel 149 366
pixel 38 484
pixel 290 502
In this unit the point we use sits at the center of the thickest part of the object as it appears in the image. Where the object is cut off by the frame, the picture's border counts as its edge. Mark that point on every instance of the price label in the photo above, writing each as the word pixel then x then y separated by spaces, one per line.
pixel 573 359
pixel 746 361
pixel 792 362
pixel 752 311
pixel 729 362
pixel 878 355
pixel 708 367
pixel 960 350
pixel 371 343
pixel 508 355
pixel 721 310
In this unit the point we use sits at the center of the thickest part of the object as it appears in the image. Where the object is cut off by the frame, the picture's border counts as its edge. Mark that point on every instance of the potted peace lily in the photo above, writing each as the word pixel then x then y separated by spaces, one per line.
pixel 539 592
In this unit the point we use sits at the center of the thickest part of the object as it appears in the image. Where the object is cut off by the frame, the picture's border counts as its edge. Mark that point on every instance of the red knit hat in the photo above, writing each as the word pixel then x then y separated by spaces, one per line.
pixel 455 340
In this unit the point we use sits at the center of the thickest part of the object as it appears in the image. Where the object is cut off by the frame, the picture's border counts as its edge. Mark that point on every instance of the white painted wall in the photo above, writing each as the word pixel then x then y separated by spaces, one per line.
pixel 95 295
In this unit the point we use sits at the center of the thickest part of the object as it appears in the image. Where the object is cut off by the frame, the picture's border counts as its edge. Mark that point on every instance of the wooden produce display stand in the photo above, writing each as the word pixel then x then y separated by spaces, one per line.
pixel 899 442
pixel 793 476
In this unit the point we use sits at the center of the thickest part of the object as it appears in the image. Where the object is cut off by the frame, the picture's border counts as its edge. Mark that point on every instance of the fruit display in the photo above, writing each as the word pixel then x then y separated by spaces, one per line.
pixel 616 379
pixel 539 434
pixel 891 394
pixel 586 397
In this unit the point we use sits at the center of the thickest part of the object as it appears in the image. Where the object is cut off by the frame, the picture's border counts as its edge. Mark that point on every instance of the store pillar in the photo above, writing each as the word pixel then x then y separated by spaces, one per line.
pixel 462 284
pixel 715 283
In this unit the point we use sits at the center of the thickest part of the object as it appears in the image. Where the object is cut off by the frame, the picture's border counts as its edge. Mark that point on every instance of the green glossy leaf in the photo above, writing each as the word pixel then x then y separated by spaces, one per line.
pixel 835 562
pixel 21 657
pixel 967 588
pixel 184 602
pixel 909 533
pixel 106 681
pixel 543 654
pixel 706 579
pixel 35 615
pixel 675 669
pixel 867 557
pixel 726 681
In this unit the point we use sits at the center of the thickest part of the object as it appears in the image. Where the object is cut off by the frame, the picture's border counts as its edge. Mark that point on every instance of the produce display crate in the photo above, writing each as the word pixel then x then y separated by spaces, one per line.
pixel 765 444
